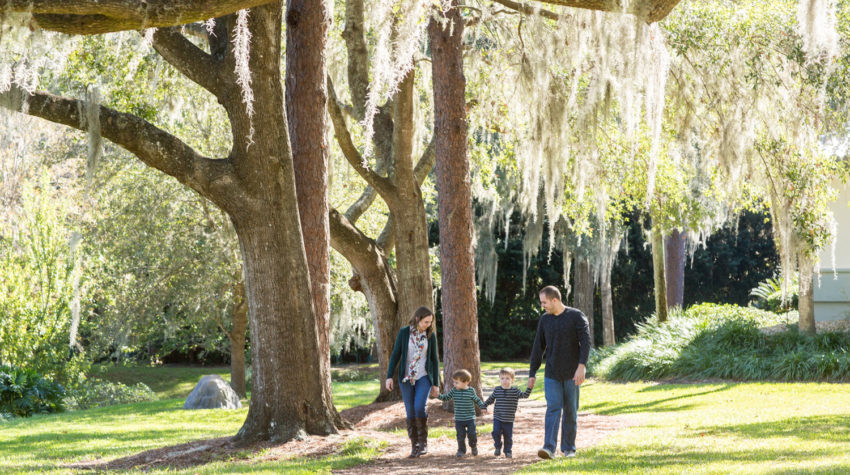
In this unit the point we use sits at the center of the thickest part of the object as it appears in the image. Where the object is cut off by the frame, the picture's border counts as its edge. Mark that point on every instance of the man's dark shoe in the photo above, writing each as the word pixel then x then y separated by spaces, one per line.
pixel 460 454
pixel 474 450
pixel 509 455
pixel 498 452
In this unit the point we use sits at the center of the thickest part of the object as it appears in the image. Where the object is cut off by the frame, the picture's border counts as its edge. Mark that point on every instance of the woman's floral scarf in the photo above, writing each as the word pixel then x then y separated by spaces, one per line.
pixel 418 339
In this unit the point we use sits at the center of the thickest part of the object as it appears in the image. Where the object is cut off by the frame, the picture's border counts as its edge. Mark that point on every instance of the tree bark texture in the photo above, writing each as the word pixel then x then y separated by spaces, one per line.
pixel 806 297
pixel 454 199
pixel 307 23
pixel 91 17
pixel 674 268
pixel 375 278
pixel 607 308
pixel 255 186
pixel 651 11
pixel 237 340
pixel 406 229
pixel 659 274
pixel 584 291
pixel 86 17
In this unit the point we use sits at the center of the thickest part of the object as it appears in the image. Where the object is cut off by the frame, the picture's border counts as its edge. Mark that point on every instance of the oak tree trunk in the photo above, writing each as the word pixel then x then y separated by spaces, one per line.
pixel 374 277
pixel 237 341
pixel 674 268
pixel 307 23
pixel 659 275
pixel 454 198
pixel 607 308
pixel 290 393
pixel 408 213
pixel 806 300
pixel 584 291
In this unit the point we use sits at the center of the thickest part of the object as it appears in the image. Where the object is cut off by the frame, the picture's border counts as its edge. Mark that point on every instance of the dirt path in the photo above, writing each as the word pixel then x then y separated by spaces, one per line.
pixel 528 437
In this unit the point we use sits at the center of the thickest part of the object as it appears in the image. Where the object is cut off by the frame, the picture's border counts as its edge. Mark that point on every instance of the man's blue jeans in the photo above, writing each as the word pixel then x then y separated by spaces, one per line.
pixel 415 396
pixel 506 428
pixel 561 396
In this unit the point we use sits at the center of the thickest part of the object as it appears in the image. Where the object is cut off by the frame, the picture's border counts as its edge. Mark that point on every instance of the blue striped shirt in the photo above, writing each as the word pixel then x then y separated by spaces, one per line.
pixel 506 402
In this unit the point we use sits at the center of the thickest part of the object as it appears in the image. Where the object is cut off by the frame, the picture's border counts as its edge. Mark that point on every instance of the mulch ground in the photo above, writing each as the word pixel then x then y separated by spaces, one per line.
pixel 376 422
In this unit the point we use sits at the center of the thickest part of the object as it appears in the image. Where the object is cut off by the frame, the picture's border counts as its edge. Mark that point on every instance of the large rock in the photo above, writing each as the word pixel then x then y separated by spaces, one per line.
pixel 212 392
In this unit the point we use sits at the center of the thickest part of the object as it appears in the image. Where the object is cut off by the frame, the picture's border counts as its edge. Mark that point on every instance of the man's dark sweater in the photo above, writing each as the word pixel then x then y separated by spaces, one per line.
pixel 565 341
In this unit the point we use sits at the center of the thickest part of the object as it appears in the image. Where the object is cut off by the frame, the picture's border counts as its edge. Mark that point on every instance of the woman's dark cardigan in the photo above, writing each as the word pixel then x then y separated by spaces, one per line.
pixel 432 364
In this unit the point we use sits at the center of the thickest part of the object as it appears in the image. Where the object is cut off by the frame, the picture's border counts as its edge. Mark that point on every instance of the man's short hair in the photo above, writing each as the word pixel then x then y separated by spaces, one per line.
pixel 507 371
pixel 462 375
pixel 551 292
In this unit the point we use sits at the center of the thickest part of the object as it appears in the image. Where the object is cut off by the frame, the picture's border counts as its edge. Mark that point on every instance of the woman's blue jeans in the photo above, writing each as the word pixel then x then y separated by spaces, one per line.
pixel 561 396
pixel 415 396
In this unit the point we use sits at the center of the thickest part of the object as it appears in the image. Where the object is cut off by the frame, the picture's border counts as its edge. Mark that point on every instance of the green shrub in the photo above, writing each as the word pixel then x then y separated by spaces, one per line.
pixel 97 393
pixel 725 341
pixel 23 392
pixel 768 295
pixel 351 375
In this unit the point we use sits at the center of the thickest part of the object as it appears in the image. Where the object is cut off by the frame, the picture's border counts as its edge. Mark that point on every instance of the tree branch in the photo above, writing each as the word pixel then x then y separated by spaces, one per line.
pixel 211 178
pixel 358 55
pixel 191 61
pixel 425 164
pixel 360 206
pixel 343 137
pixel 387 237
pixel 88 17
pixel 529 10
pixel 651 10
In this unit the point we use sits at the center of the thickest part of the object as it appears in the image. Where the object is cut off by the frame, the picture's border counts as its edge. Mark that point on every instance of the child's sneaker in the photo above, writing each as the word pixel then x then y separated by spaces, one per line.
pixel 498 452
pixel 508 455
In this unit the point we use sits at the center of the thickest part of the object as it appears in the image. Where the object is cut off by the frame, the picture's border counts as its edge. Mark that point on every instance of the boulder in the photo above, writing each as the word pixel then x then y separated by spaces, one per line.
pixel 212 392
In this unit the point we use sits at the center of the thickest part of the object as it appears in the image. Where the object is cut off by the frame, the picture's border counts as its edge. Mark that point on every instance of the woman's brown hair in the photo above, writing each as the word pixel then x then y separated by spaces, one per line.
pixel 418 315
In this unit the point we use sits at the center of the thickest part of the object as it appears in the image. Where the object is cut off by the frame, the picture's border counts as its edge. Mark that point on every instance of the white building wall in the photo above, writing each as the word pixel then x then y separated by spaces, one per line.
pixel 832 296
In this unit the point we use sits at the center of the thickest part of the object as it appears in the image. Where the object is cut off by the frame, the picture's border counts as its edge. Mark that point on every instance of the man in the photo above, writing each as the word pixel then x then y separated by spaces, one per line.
pixel 563 336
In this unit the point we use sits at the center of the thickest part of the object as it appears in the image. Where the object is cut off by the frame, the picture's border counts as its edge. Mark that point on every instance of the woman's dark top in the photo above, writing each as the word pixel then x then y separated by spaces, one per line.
pixel 432 364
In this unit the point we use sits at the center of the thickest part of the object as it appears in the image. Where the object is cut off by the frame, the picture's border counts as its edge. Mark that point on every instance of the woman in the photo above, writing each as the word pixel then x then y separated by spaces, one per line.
pixel 419 374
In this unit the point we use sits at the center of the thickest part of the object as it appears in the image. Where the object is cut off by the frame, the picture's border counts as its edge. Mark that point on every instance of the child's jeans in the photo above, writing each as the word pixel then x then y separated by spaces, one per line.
pixel 503 428
pixel 466 429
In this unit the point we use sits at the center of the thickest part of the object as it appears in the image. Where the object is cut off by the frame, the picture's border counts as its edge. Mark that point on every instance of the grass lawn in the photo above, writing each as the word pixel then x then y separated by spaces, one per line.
pixel 699 428
pixel 41 443
pixel 717 428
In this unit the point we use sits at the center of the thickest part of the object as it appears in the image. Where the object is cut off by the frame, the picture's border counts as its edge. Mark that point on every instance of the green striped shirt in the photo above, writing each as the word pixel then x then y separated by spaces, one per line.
pixel 465 400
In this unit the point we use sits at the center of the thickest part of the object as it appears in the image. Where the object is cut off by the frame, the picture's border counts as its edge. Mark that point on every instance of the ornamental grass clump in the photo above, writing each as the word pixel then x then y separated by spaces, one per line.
pixel 727 342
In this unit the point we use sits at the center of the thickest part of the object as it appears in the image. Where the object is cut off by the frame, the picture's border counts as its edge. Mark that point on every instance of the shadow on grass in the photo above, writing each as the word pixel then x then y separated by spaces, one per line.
pixel 109 431
pixel 663 459
pixel 222 455
pixel 834 428
pixel 608 408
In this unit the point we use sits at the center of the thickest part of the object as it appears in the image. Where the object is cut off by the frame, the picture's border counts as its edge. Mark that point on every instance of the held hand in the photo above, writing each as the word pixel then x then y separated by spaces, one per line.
pixel 435 391
pixel 485 411
pixel 579 377
pixel 531 382
pixel 389 384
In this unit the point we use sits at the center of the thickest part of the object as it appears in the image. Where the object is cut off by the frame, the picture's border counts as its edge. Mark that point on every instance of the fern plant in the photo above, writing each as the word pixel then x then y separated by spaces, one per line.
pixel 768 295
pixel 23 392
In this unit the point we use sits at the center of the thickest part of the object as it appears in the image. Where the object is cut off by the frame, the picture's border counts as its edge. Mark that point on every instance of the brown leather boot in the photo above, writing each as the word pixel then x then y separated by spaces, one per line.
pixel 422 433
pixel 414 438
